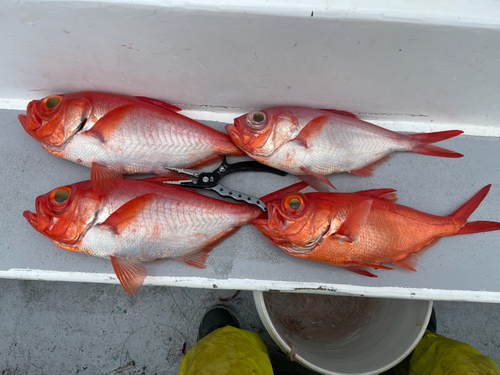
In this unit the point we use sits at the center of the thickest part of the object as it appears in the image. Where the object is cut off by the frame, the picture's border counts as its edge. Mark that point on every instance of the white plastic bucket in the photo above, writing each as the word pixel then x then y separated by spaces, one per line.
pixel 393 330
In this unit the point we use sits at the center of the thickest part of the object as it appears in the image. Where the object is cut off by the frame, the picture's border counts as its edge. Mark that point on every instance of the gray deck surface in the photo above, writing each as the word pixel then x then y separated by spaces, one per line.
pixel 430 184
pixel 83 328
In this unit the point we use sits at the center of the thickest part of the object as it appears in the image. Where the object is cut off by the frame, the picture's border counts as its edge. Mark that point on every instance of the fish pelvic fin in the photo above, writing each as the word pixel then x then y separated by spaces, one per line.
pixel 463 213
pixel 424 147
pixel 125 214
pixel 316 181
pixel 131 274
pixel 102 178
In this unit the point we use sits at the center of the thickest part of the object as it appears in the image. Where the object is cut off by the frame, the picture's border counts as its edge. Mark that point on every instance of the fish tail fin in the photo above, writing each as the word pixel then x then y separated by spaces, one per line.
pixel 424 147
pixel 463 213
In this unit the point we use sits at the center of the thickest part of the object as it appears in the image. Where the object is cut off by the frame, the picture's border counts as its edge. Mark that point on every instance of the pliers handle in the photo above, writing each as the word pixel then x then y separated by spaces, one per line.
pixel 210 180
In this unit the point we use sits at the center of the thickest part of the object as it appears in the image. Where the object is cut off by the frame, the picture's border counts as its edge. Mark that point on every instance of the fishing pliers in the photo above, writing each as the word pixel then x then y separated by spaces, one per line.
pixel 210 180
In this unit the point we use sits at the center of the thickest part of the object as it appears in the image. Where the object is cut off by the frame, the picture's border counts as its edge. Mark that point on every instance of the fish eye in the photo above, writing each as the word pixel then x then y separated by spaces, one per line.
pixel 61 195
pixel 294 204
pixel 256 119
pixel 51 102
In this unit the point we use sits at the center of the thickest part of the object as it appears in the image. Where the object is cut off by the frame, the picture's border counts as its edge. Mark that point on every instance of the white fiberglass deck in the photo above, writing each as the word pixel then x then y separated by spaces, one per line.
pixel 457 268
pixel 430 67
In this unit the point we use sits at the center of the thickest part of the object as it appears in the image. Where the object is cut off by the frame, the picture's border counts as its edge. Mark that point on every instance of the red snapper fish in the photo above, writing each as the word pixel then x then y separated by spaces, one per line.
pixel 137 221
pixel 313 143
pixel 362 229
pixel 125 134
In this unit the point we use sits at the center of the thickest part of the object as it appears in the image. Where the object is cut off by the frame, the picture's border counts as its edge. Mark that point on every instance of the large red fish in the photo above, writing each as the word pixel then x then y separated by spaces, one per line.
pixel 137 221
pixel 125 134
pixel 363 229
pixel 313 143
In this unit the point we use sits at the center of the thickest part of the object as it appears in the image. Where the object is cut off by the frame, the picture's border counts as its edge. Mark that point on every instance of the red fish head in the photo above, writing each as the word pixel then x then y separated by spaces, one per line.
pixel 261 133
pixel 297 220
pixel 53 120
pixel 64 213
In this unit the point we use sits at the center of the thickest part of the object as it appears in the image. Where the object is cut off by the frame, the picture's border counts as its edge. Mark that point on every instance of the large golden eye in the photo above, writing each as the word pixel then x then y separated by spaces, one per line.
pixel 256 120
pixel 51 102
pixel 61 195
pixel 294 204
pixel 59 198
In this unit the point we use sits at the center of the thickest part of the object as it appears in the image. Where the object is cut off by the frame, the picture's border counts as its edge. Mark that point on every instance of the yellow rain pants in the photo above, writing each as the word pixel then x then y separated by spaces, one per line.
pixel 227 350
pixel 438 355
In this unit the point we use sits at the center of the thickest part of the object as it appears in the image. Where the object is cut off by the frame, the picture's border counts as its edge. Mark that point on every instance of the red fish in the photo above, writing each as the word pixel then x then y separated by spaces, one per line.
pixel 313 143
pixel 122 133
pixel 137 221
pixel 363 229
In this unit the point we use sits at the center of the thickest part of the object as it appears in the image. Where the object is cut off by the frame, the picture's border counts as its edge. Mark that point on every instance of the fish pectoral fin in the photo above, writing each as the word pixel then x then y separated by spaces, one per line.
pixel 367 170
pixel 360 271
pixel 102 178
pixel 126 213
pixel 316 180
pixel 131 274
pixel 311 131
pixel 104 128
pixel 351 227
pixel 158 103
pixel 199 258
pixel 387 194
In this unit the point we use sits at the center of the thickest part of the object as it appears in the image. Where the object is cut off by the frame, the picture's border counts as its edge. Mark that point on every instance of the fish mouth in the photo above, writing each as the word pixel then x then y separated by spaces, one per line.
pixel 275 222
pixel 39 220
pixel 32 121
pixel 238 133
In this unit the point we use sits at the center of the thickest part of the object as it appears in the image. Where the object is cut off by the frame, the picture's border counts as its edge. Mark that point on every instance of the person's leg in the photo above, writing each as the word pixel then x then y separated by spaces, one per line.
pixel 223 348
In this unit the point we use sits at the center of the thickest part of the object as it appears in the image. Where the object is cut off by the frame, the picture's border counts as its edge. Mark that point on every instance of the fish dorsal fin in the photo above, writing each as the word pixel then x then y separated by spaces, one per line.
pixel 131 274
pixel 351 227
pixel 315 180
pixel 312 130
pixel 122 217
pixel 367 170
pixel 102 178
pixel 339 112
pixel 104 128
pixel 411 262
pixel 387 194
pixel 158 103
pixel 199 258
